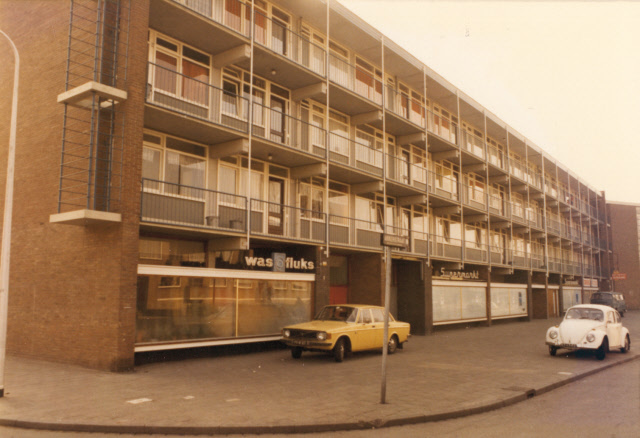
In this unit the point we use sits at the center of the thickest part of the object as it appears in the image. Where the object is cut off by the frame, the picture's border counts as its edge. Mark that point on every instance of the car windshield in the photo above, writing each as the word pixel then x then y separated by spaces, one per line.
pixel 338 313
pixel 592 314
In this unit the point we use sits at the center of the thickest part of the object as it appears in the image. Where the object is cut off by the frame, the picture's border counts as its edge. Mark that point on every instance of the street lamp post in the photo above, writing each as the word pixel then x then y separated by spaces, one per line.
pixel 8 213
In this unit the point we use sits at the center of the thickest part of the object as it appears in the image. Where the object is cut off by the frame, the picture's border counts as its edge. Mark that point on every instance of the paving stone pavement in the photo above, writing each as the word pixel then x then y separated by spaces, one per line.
pixel 448 374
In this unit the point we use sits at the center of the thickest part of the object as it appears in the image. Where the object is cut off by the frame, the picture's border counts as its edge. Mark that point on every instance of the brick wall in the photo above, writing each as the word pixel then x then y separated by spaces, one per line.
pixel 626 259
pixel 72 288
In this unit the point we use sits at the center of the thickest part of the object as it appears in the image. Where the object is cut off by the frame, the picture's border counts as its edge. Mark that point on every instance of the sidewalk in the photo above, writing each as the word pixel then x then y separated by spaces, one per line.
pixel 449 374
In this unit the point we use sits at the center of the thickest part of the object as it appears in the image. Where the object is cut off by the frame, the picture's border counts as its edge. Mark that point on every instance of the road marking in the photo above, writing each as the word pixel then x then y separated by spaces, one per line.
pixel 139 400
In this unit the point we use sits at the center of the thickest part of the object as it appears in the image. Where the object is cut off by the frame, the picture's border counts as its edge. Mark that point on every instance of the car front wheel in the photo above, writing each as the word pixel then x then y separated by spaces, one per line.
pixel 552 350
pixel 339 350
pixel 393 344
pixel 296 352
pixel 602 351
pixel 627 345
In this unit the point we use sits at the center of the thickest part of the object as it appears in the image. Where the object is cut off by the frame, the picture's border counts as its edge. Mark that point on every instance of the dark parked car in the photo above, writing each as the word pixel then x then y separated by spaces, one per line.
pixel 611 299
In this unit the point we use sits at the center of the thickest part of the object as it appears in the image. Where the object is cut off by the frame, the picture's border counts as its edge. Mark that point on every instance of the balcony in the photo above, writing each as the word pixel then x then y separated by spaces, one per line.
pixel 475 252
pixel 474 197
pixel 355 154
pixel 472 144
pixel 518 169
pixel 294 135
pixel 275 220
pixel 445 187
pixel 497 158
pixel 192 207
pixel 356 80
pixel 401 171
pixel 518 213
pixel 500 256
pixel 444 247
pixel 498 206
pixel 555 264
pixel 170 90
pixel 409 114
pixel 553 224
pixel 442 128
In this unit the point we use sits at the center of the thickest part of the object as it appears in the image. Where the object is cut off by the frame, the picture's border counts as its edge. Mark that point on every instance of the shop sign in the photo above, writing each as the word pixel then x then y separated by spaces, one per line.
pixel 586 282
pixel 278 262
pixel 459 275
pixel 618 276
pixel 570 281
pixel 395 241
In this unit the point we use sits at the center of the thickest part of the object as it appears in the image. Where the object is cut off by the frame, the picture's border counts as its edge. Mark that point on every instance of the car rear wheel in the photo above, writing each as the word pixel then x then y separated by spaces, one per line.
pixel 339 350
pixel 552 350
pixel 393 344
pixel 296 352
pixel 627 345
pixel 602 351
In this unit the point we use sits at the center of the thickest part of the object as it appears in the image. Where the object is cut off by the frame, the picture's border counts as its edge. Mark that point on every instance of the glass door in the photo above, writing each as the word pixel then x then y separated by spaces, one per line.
pixel 276 207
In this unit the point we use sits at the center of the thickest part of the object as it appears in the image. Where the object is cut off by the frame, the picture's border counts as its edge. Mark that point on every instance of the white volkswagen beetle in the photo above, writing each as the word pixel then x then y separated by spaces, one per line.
pixel 589 327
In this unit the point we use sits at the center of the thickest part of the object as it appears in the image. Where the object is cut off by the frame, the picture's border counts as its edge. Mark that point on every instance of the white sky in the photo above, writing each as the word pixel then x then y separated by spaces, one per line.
pixel 566 75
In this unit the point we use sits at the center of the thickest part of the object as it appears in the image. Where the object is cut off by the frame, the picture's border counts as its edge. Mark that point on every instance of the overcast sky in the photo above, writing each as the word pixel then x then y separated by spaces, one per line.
pixel 566 75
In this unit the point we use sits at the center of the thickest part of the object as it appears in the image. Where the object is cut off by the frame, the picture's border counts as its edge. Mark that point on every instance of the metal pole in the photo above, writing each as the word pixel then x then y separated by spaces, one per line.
pixel 387 298
pixel 8 213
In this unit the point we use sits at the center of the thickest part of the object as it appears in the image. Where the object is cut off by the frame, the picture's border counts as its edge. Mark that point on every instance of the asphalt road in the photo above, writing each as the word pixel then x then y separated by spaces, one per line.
pixel 606 404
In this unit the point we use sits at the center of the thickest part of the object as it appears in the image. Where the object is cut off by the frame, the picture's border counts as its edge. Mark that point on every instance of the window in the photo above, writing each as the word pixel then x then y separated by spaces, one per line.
pixel 311 197
pixel 173 165
pixel 339 129
pixel 233 179
pixel 180 70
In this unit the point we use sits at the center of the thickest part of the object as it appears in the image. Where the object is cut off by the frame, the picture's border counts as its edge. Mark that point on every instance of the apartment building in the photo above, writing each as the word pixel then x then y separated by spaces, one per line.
pixel 625 239
pixel 203 172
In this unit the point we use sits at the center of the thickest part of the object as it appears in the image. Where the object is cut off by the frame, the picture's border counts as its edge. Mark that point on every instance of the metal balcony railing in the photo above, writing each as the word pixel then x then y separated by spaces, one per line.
pixel 277 37
pixel 193 207
pixel 354 232
pixel 292 223
pixel 355 78
pixel 499 255
pixel 355 154
pixel 185 95
pixel 402 171
pixel 233 14
pixel 476 252
pixel 555 264
pixel 474 197
pixel 442 127
pixel 274 125
pixel 445 247
pixel 445 186
pixel 472 144
pixel 497 157
pixel 498 205
pixel 402 105
pixel 518 169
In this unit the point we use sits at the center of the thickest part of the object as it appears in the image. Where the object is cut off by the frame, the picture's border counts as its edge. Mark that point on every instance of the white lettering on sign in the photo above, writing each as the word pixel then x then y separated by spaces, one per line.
pixel 290 263
pixel 459 275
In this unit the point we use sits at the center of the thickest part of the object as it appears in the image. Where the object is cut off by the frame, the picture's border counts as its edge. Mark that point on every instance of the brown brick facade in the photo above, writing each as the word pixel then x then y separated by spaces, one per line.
pixel 72 288
pixel 626 255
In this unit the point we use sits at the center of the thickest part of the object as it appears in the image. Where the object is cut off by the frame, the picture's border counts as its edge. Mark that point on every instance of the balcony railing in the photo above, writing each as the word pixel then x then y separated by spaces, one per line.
pixel 402 105
pixel 474 197
pixel 551 188
pixel 500 255
pixel 418 241
pixel 402 171
pixel 274 125
pixel 235 14
pixel 553 224
pixel 555 264
pixel 472 144
pixel 518 169
pixel 497 157
pixel 442 127
pixel 445 247
pixel 355 79
pixel 277 37
pixel 355 154
pixel 185 95
pixel 292 223
pixel 517 212
pixel 193 207
pixel 475 252
pixel 445 186
pixel 498 205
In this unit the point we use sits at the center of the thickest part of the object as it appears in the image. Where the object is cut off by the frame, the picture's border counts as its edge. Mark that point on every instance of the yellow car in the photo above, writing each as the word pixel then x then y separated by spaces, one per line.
pixel 344 328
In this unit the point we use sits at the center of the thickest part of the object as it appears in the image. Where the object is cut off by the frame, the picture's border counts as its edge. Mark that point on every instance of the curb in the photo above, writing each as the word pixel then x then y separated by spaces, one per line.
pixel 305 428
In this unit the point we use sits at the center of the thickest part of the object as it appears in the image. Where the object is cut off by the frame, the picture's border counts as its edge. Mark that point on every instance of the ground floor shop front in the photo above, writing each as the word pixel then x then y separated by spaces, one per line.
pixel 196 297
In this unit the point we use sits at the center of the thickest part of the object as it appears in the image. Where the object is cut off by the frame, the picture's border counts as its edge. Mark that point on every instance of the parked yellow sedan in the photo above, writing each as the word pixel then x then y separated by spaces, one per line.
pixel 344 328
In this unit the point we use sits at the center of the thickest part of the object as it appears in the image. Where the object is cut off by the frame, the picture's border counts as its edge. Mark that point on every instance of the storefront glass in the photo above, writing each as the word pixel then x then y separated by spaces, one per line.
pixel 458 303
pixel 185 308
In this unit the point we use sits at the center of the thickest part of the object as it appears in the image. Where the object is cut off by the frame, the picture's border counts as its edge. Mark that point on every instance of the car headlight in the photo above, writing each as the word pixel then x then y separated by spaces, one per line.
pixel 553 334
pixel 286 333
pixel 591 337
pixel 321 336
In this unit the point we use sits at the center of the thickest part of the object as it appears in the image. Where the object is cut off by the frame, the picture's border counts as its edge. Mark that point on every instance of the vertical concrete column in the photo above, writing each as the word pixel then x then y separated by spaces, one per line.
pixel 488 297
pixel 560 298
pixel 323 279
pixel 529 296
pixel 428 299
